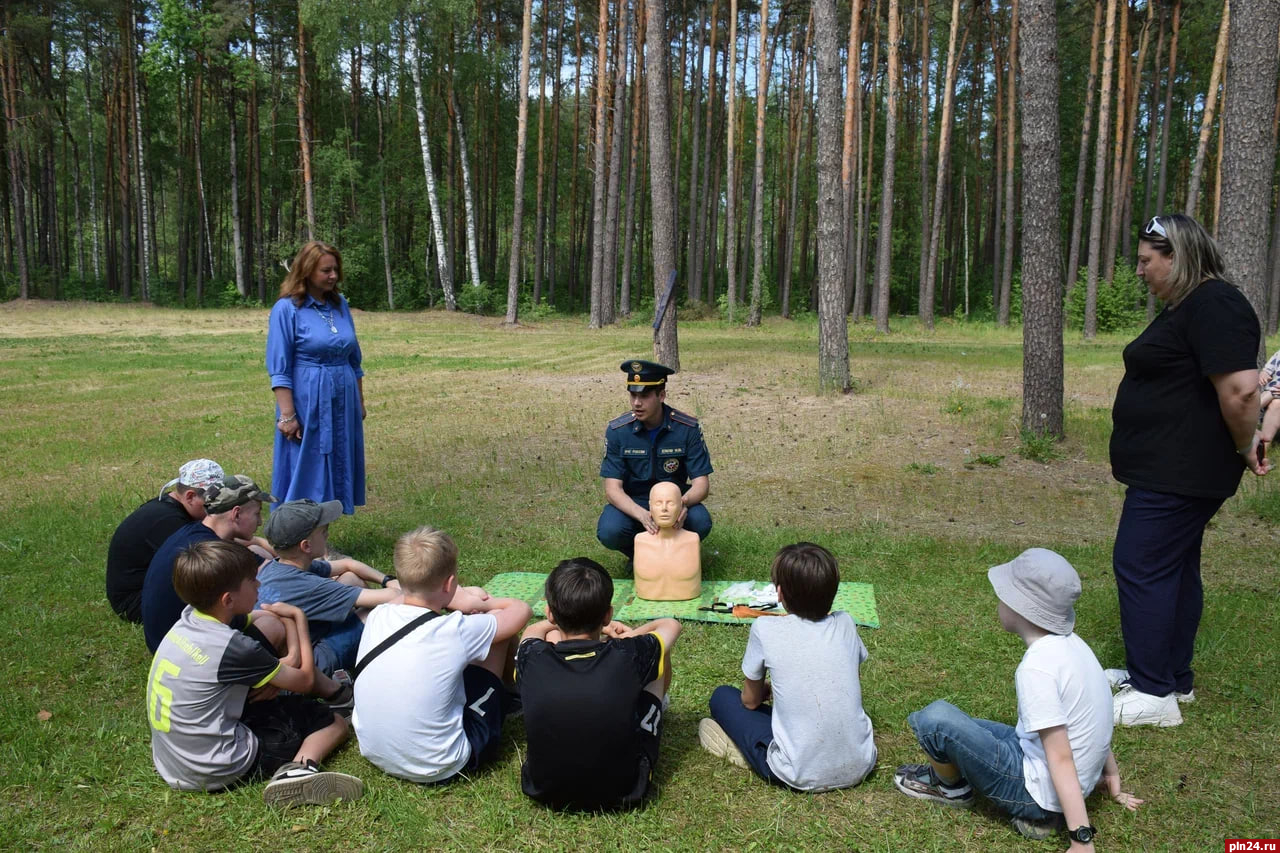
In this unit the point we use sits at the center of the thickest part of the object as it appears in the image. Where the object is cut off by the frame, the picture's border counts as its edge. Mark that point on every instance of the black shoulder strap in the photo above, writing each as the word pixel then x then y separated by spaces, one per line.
pixel 391 641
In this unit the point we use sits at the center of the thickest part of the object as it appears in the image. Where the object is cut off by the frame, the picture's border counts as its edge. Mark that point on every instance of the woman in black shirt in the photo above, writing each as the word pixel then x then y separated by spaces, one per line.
pixel 1184 430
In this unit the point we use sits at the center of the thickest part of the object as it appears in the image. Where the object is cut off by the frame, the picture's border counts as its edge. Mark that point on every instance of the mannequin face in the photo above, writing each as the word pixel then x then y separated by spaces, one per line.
pixel 665 504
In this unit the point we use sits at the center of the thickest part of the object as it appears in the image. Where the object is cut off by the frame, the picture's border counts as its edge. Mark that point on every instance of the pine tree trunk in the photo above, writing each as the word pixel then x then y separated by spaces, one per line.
pixel 666 348
pixel 833 331
pixel 140 164
pixel 1168 108
pixel 944 165
pixel 731 210
pixel 1210 104
pixel 926 56
pixel 692 287
pixel 757 206
pixel 706 247
pixel 1099 176
pixel 1011 136
pixel 851 160
pixel 1042 379
pixel 1082 159
pixel 540 211
pixel 304 140
pixel 629 227
pixel 93 177
pixel 9 69
pixel 600 172
pixel 884 249
pixel 1248 159
pixel 382 194
pixel 237 247
pixel 609 269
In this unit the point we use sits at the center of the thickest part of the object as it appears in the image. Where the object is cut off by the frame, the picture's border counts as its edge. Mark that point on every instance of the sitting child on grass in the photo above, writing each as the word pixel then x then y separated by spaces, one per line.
pixel 593 693
pixel 332 593
pixel 430 689
pixel 215 717
pixel 1041 771
pixel 1268 391
pixel 816 737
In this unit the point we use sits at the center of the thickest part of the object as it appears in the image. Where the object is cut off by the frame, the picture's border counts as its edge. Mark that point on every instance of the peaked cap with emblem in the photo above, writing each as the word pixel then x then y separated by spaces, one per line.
pixel 643 375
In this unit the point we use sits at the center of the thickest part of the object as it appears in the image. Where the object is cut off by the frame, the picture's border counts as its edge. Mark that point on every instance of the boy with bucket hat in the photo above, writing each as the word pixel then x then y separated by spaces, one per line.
pixel 1041 771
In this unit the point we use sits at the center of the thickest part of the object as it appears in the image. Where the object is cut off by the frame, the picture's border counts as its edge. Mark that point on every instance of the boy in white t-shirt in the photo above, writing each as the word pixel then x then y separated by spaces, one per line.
pixel 1041 771
pixel 815 736
pixel 429 705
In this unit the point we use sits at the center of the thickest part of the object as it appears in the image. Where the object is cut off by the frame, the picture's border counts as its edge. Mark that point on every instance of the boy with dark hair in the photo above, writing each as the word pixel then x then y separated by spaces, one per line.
pixel 816 737
pixel 211 697
pixel 430 688
pixel 1040 772
pixel 332 593
pixel 592 704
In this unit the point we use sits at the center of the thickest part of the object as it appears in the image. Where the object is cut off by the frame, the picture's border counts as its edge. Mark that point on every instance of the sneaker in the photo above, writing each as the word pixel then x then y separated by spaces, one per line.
pixel 1118 678
pixel 1132 707
pixel 715 741
pixel 343 701
pixel 296 784
pixel 920 781
pixel 1038 830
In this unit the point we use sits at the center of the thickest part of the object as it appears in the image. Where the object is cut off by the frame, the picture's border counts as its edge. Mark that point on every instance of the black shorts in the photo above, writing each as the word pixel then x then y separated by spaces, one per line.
pixel 481 719
pixel 648 736
pixel 281 725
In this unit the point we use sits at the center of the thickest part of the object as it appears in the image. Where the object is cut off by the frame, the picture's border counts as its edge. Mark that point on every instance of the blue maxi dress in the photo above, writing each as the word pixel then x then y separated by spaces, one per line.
pixel 321 366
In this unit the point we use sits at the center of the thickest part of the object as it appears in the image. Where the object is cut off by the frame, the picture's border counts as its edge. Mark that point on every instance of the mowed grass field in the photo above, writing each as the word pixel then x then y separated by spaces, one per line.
pixel 495 435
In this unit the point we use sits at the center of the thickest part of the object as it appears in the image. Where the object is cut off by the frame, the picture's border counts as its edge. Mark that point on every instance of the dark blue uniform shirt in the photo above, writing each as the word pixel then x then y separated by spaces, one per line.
pixel 675 452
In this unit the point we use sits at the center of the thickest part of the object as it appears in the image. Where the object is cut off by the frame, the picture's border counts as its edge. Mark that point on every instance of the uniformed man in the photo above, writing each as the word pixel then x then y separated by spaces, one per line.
pixel 651 443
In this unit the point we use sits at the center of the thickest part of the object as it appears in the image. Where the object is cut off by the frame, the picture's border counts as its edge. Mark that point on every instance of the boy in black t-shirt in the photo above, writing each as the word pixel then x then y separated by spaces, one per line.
pixel 593 692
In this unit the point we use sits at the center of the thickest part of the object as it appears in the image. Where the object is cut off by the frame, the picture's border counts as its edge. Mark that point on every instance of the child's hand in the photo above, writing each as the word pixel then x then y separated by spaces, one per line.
pixel 1129 801
pixel 469 599
pixel 616 630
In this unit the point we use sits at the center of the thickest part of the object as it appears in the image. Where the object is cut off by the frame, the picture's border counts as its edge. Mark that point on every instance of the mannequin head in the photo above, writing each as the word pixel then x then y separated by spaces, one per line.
pixel 665 504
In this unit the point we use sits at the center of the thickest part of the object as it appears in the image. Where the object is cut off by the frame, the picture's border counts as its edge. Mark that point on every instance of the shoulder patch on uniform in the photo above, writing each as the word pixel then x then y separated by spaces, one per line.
pixel 686 419
pixel 621 420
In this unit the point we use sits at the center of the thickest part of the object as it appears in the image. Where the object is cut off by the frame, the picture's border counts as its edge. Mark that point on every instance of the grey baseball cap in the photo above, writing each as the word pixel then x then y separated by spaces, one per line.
pixel 1040 586
pixel 292 522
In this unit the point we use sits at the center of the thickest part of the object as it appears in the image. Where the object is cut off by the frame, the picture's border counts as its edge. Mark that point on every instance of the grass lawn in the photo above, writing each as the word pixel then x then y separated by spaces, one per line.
pixel 915 482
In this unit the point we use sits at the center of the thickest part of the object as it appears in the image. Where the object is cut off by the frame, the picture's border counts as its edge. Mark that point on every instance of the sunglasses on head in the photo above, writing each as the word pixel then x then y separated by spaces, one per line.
pixel 1154 227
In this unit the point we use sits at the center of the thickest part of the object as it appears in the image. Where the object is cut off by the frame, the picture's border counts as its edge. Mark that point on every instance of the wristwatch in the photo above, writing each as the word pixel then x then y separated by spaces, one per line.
pixel 1083 834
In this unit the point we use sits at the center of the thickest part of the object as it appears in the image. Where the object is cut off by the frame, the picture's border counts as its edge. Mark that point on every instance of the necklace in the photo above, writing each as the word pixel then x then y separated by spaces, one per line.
pixel 326 314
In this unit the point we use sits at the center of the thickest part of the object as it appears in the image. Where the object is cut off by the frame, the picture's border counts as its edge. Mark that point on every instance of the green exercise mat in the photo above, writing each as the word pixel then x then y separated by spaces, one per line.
pixel 856 599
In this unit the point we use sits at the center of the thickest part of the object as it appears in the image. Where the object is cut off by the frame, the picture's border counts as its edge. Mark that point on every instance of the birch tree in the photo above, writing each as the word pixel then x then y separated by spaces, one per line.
pixel 433 198
pixel 522 134
pixel 884 246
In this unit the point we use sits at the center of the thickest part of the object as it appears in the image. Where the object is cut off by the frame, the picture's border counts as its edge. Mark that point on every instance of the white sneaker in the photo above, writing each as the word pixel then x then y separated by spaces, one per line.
pixel 1118 678
pixel 715 741
pixel 1132 707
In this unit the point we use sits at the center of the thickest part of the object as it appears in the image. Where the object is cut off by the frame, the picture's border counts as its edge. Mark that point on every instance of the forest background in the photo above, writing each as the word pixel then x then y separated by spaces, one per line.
pixel 179 152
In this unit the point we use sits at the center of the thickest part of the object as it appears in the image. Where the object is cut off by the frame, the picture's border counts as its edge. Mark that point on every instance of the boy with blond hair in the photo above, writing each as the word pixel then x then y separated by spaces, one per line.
pixel 211 697
pixel 430 688
pixel 593 693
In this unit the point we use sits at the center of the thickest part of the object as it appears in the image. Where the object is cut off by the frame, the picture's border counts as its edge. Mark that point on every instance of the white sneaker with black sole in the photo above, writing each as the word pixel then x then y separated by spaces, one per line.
pixel 297 784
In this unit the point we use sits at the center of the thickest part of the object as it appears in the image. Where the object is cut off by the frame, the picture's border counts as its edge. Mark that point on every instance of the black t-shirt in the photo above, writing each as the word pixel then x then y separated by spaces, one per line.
pixel 580 699
pixel 133 545
pixel 1167 433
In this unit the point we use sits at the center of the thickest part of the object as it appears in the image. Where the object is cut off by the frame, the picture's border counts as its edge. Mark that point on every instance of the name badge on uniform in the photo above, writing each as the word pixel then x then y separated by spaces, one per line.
pixel 671 451
pixel 634 451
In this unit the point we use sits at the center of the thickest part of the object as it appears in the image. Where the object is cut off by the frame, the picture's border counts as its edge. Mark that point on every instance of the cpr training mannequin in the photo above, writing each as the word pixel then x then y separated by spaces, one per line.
pixel 668 565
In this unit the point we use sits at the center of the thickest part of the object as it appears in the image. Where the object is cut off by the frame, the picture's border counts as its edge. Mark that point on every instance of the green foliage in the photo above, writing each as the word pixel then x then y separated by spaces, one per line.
pixel 1121 303
pixel 1038 447
pixel 926 468
pixel 991 460
pixel 482 299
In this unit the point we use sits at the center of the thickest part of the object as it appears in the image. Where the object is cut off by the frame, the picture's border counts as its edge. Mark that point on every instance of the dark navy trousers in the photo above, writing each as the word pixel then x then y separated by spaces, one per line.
pixel 1157 567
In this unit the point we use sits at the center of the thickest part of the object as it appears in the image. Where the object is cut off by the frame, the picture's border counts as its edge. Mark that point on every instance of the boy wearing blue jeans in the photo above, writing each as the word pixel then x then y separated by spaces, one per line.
pixel 332 593
pixel 816 737
pixel 1041 771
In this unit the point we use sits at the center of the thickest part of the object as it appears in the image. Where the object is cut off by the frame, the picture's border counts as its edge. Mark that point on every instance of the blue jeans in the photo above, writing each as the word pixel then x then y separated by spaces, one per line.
pixel 750 731
pixel 337 649
pixel 617 531
pixel 1156 560
pixel 987 754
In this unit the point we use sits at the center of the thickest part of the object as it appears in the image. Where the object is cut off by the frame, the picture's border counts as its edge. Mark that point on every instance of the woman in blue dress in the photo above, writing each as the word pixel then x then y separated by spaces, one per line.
pixel 313 359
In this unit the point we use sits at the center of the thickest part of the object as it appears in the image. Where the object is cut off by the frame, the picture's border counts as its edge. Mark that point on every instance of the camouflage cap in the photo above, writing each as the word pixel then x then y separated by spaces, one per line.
pixel 292 522
pixel 232 492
